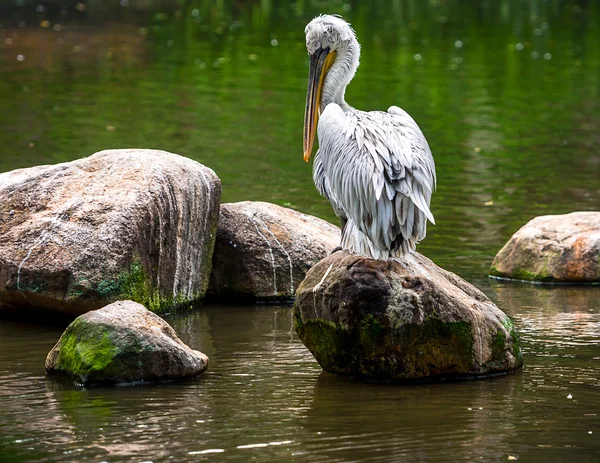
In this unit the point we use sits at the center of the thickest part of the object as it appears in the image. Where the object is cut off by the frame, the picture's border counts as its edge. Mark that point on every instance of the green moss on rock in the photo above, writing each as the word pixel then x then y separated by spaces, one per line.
pixel 495 272
pixel 514 340
pixel 371 331
pixel 35 285
pixel 372 350
pixel 498 346
pixel 108 289
pixel 134 285
pixel 516 346
pixel 502 343
pixel 325 341
pixel 522 274
pixel 84 350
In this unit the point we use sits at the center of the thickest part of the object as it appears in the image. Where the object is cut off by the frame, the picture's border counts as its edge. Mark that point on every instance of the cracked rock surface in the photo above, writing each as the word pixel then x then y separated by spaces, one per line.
pixel 401 319
pixel 553 248
pixel 263 251
pixel 123 343
pixel 121 224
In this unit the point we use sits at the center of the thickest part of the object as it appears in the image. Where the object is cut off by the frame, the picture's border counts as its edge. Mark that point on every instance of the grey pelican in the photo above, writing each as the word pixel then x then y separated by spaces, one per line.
pixel 374 167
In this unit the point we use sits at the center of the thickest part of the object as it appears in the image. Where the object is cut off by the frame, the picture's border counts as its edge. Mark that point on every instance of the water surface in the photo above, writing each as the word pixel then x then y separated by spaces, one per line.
pixel 266 399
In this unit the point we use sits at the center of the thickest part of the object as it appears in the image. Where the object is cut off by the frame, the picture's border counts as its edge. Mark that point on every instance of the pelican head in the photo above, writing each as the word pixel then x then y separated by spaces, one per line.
pixel 331 43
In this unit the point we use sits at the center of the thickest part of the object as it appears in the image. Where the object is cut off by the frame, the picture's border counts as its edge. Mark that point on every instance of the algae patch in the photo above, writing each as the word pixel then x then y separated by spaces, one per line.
pixel 375 351
pixel 84 350
pixel 498 346
pixel 522 274
pixel 503 343
pixel 134 285
pixel 516 346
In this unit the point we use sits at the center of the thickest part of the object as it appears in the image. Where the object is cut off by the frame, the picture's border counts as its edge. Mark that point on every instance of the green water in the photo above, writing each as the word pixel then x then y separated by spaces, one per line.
pixel 507 94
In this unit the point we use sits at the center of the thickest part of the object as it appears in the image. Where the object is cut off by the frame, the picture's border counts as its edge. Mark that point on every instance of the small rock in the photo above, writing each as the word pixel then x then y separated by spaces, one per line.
pixel 123 343
pixel 121 224
pixel 263 251
pixel 401 319
pixel 553 248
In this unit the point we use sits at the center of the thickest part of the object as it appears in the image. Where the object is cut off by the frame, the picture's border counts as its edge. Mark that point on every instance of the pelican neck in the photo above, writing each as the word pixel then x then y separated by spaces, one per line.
pixel 339 76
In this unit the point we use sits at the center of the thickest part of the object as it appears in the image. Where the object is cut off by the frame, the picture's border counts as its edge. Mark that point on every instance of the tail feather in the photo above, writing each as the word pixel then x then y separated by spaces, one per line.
pixel 405 242
pixel 358 243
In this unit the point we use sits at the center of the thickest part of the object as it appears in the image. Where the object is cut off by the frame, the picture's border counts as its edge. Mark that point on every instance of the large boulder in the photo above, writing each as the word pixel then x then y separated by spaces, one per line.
pixel 401 319
pixel 123 343
pixel 121 224
pixel 263 251
pixel 553 248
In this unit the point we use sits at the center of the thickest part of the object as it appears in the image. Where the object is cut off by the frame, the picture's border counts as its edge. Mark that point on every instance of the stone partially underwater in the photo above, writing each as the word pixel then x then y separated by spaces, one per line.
pixel 121 224
pixel 123 343
pixel 401 319
pixel 263 251
pixel 553 249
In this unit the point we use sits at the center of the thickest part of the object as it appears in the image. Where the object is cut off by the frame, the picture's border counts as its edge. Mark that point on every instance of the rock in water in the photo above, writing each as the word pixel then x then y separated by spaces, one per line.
pixel 263 251
pixel 401 319
pixel 121 224
pixel 553 248
pixel 123 343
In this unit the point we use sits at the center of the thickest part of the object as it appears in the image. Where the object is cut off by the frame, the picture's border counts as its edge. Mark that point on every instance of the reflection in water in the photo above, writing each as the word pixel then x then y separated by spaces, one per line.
pixel 389 423
pixel 506 93
pixel 560 328
pixel 264 397
pixel 569 313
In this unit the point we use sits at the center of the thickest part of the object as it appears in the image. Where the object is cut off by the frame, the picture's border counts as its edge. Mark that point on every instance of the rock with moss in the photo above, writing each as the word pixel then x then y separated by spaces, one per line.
pixel 553 248
pixel 263 251
pixel 402 319
pixel 123 343
pixel 121 224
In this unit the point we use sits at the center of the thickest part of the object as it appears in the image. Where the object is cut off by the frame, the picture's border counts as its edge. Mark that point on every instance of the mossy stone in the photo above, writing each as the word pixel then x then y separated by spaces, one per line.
pixel 122 343
pixel 401 320
pixel 120 224
pixel 553 249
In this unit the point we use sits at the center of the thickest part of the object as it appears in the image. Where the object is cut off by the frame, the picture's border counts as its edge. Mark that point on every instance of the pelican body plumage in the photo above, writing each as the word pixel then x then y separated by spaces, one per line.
pixel 374 167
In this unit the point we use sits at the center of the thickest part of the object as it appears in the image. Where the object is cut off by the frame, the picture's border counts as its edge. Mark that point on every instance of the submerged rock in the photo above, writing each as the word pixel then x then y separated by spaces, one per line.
pixel 123 343
pixel 553 248
pixel 263 251
pixel 121 224
pixel 401 319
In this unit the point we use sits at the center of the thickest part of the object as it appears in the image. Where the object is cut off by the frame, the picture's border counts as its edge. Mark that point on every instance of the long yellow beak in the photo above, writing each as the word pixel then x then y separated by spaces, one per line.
pixel 320 63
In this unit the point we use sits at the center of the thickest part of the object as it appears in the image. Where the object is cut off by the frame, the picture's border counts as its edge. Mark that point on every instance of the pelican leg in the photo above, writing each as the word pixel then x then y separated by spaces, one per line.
pixel 343 221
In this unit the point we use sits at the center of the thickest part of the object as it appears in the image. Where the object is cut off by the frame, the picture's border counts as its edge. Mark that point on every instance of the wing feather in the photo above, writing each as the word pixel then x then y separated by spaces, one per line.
pixel 380 171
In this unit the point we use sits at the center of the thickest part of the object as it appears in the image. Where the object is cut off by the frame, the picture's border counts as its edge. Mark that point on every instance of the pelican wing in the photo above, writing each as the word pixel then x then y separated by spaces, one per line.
pixel 322 183
pixel 379 170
